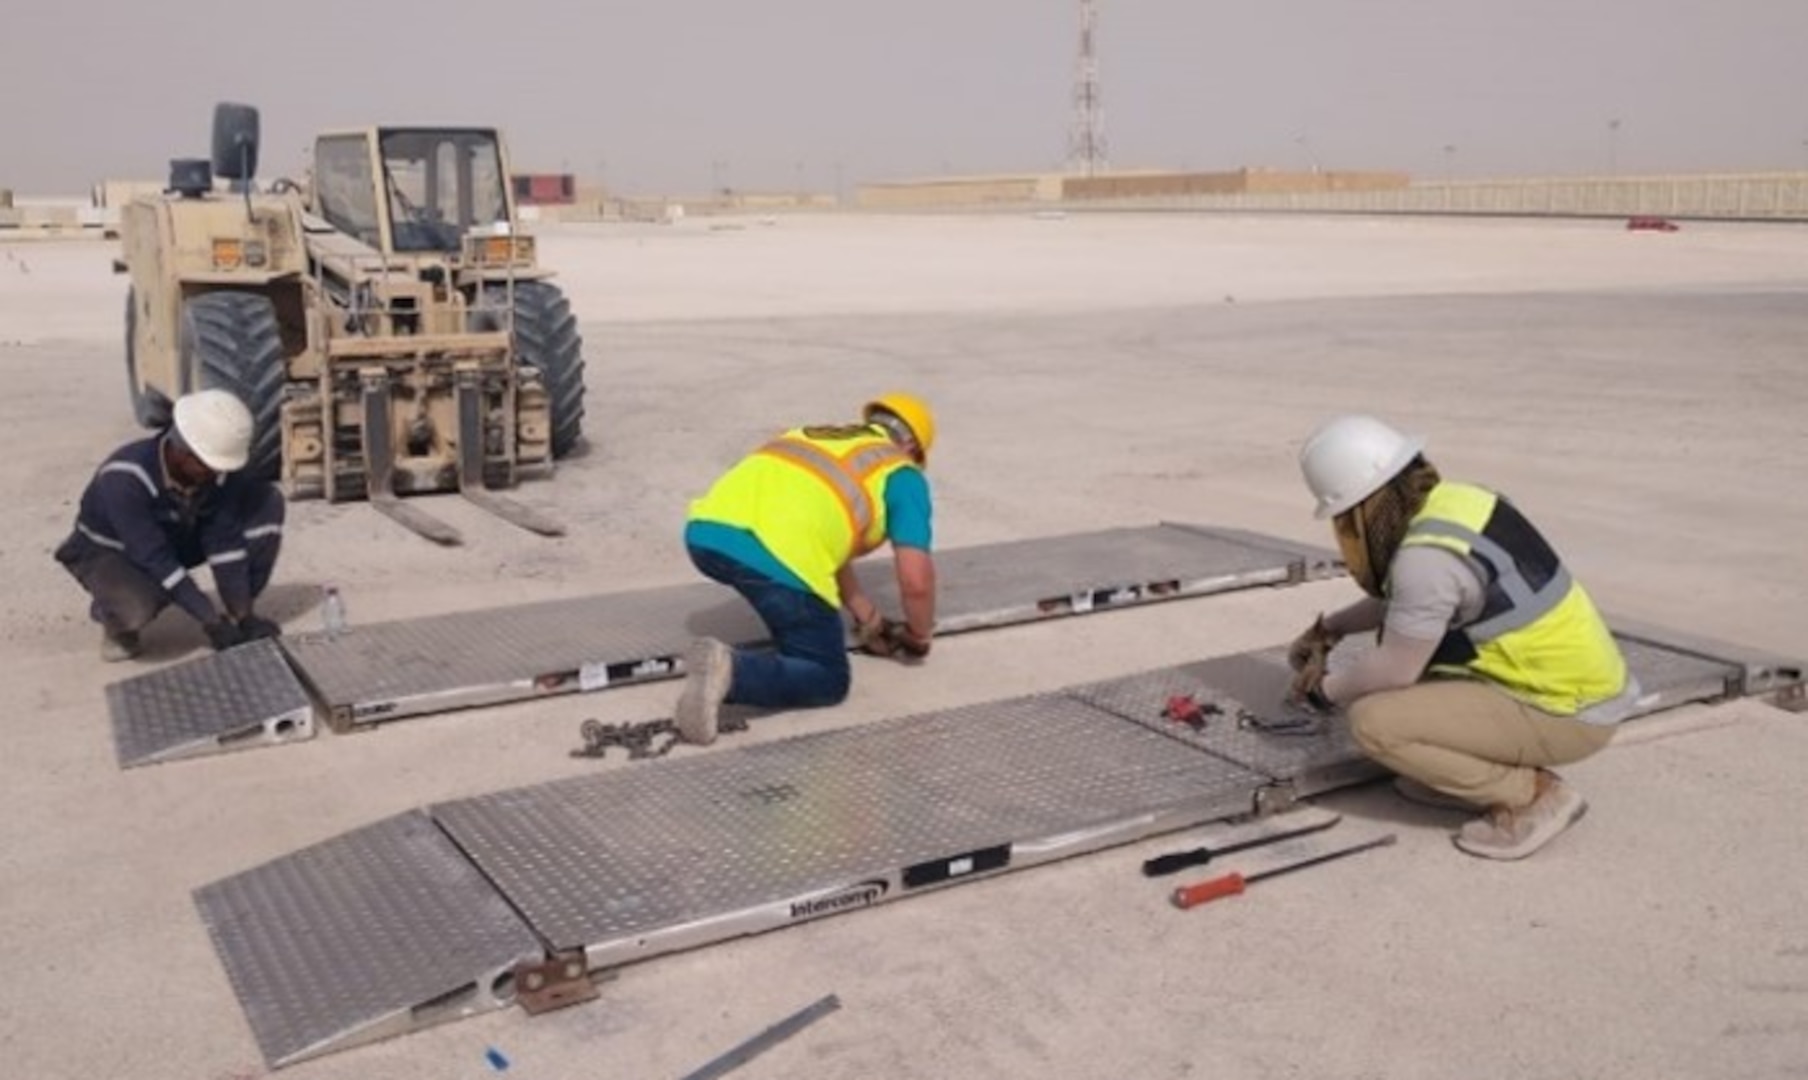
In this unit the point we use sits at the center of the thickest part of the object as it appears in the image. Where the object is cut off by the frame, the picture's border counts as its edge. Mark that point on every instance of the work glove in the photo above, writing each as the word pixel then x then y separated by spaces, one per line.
pixel 907 645
pixel 1307 689
pixel 257 628
pixel 223 634
pixel 890 638
pixel 1313 646
pixel 876 637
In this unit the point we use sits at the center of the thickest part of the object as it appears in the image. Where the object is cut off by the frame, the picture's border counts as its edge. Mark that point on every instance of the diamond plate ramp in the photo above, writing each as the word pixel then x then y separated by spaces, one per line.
pixel 246 696
pixel 637 862
pixel 386 671
pixel 371 934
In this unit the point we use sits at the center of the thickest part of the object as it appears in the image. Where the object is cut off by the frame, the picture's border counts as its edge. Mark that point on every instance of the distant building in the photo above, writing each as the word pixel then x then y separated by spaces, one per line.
pixel 545 189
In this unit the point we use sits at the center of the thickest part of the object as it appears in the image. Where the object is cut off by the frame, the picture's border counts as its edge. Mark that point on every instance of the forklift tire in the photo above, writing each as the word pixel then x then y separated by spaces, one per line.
pixel 546 337
pixel 231 341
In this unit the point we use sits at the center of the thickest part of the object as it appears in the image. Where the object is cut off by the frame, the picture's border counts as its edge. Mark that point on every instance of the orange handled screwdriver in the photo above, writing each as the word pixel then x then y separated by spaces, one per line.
pixel 1231 884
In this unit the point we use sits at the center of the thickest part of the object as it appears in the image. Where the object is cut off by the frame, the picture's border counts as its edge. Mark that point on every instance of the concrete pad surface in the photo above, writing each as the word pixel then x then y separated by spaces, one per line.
pixel 1640 395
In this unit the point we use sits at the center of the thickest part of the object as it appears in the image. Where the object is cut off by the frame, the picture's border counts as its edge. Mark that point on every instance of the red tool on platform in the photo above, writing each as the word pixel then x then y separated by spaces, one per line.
pixel 1183 709
pixel 1188 896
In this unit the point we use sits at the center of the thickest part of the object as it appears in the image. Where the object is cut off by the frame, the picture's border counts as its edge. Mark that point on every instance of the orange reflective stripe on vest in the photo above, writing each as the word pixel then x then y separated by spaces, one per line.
pixel 846 477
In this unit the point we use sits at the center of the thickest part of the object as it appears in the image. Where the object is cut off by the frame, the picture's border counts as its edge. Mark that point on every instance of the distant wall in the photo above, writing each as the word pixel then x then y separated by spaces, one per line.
pixel 1732 197
pixel 1727 196
pixel 117 193
pixel 1238 182
pixel 958 191
pixel 51 222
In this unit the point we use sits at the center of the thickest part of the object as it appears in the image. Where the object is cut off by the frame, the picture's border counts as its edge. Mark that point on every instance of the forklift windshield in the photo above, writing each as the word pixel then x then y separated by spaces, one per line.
pixel 441 183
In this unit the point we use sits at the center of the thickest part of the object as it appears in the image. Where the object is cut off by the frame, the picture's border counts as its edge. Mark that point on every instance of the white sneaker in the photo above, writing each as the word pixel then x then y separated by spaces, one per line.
pixel 709 671
pixel 1515 834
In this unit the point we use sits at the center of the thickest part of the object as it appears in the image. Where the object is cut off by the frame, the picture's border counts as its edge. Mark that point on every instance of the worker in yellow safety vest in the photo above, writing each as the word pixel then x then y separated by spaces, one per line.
pixel 1492 664
pixel 783 528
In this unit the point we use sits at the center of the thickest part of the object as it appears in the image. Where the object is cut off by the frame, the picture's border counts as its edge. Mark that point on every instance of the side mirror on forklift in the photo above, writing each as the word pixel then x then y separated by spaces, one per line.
pixel 235 139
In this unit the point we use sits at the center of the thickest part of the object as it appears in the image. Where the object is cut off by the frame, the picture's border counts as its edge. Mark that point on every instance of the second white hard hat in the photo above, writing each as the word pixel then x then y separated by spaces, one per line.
pixel 1349 458
pixel 216 425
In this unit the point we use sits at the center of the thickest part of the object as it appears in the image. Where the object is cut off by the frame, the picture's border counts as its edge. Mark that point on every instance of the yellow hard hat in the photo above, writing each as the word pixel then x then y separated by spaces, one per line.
pixel 915 413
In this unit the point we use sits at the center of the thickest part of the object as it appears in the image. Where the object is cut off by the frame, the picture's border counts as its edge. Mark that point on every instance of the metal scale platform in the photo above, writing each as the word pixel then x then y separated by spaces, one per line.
pixel 424 917
pixel 387 671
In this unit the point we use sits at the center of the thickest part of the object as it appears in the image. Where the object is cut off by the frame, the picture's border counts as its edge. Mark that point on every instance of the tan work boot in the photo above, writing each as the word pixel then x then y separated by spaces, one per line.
pixel 1502 833
pixel 121 646
pixel 709 671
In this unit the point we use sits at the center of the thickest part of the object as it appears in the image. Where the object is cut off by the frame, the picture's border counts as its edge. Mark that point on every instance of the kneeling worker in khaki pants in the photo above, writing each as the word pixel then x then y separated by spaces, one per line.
pixel 1493 664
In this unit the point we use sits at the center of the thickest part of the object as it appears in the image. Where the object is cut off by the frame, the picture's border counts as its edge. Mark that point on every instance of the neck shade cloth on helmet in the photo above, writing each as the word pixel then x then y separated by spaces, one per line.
pixel 1369 533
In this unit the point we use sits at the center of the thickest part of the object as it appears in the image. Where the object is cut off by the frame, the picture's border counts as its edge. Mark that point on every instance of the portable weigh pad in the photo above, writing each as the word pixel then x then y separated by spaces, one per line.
pixel 383 671
pixel 386 671
pixel 681 852
pixel 1249 721
pixel 245 696
pixel 359 937
pixel 637 862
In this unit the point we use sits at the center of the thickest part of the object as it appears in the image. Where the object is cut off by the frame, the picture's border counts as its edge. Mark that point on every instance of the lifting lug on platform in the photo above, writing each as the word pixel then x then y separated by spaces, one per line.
pixel 1275 798
pixel 561 979
pixel 1791 698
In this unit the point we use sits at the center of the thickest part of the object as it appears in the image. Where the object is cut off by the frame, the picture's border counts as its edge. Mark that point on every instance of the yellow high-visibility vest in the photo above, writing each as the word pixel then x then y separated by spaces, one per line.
pixel 1539 636
pixel 814 496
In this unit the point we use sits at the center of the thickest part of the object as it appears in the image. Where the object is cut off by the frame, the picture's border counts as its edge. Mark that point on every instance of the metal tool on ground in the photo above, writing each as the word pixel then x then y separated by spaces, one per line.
pixel 1233 883
pixel 767 1039
pixel 1292 720
pixel 1180 860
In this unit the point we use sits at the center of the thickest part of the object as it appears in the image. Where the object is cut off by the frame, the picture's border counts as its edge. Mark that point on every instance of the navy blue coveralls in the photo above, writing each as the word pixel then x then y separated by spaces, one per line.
pixel 136 538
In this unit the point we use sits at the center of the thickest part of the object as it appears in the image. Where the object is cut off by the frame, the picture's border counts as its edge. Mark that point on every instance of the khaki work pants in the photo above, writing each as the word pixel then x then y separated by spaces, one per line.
pixel 1469 739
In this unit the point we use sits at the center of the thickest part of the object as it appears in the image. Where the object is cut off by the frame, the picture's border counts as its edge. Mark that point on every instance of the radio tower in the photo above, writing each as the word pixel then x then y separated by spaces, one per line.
pixel 1086 135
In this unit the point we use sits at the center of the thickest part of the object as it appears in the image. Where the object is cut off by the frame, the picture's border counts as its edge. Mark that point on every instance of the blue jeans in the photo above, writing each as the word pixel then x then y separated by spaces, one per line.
pixel 808 665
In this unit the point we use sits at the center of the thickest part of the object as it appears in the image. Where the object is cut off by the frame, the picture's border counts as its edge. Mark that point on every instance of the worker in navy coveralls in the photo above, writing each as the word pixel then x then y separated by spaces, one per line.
pixel 162 506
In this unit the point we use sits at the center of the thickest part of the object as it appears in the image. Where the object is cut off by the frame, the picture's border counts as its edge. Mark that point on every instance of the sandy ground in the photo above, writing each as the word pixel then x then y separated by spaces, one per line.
pixel 1639 394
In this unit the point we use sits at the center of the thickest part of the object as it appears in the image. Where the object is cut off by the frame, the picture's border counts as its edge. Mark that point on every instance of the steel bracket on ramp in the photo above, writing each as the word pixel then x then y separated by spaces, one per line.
pixel 418 918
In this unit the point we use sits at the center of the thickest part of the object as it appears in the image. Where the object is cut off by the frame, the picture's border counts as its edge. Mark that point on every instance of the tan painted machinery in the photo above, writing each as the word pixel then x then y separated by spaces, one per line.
pixel 387 321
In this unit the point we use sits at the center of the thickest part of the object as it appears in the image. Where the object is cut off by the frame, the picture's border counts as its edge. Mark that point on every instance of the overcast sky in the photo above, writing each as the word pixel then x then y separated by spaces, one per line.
pixel 674 95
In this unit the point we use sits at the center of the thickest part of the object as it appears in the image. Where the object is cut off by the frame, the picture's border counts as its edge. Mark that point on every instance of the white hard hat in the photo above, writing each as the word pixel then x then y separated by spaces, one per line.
pixel 216 425
pixel 1350 458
